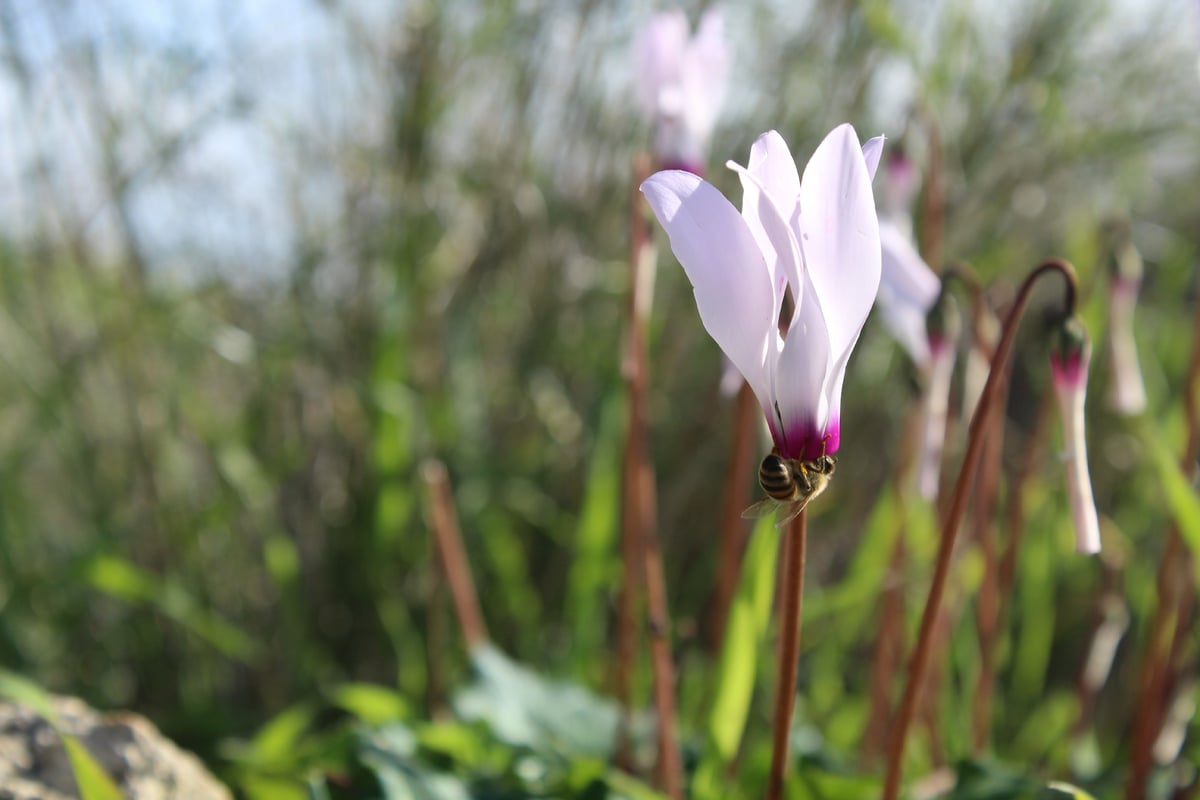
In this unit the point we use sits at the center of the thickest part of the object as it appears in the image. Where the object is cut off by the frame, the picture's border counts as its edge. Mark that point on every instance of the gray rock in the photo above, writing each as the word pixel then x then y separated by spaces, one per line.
pixel 139 759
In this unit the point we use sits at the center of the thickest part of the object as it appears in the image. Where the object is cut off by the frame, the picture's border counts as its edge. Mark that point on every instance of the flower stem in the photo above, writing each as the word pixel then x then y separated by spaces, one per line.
pixel 794 546
pixel 1173 591
pixel 953 519
pixel 453 556
pixel 987 610
pixel 640 549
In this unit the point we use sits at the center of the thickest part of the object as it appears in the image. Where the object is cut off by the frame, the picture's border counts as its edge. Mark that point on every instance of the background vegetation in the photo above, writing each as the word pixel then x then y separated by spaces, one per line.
pixel 257 265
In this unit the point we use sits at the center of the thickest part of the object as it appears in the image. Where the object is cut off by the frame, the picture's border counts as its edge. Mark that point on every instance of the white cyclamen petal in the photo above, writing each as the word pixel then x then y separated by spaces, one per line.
pixel 800 380
pixel 658 52
pixel 772 165
pixel 839 238
pixel 1072 394
pixel 907 290
pixel 1127 392
pixel 704 73
pixel 774 235
pixel 734 291
pixel 872 152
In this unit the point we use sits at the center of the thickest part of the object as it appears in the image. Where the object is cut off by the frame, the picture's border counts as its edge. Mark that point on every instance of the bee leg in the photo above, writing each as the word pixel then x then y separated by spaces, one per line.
pixel 803 481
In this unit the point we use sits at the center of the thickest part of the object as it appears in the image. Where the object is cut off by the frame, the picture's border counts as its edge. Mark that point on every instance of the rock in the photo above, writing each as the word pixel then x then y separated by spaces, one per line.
pixel 140 760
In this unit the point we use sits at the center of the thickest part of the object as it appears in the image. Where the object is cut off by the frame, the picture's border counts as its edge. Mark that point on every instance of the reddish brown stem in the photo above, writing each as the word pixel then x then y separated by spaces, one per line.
pixel 886 655
pixel 733 527
pixel 795 545
pixel 643 559
pixel 452 554
pixel 670 765
pixel 929 616
pixel 987 610
pixel 631 539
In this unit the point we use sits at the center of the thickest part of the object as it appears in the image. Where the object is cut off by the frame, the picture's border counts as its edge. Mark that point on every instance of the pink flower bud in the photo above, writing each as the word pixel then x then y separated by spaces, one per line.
pixel 1069 359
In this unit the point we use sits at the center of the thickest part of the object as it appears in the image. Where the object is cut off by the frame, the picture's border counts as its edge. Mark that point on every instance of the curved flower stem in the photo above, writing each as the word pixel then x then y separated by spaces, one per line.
pixel 1173 592
pixel 794 546
pixel 987 610
pixel 976 438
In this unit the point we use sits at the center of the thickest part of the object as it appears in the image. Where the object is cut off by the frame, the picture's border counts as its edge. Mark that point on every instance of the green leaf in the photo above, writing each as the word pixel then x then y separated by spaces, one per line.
pixel 390 754
pixel 595 565
pixel 25 692
pixel 277 743
pixel 1181 497
pixel 1074 791
pixel 373 704
pixel 265 787
pixel 524 708
pixel 745 633
pixel 93 782
pixel 119 578
pixel 123 580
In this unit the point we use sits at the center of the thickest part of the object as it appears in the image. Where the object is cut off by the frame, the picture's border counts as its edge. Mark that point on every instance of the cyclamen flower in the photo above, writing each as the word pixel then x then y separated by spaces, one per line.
pixel 1069 361
pixel 681 85
pixel 817 236
pixel 1127 392
pixel 907 291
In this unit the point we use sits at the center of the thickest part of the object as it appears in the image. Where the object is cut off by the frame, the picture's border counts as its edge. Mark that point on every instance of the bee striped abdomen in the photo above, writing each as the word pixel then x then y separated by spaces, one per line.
pixel 775 478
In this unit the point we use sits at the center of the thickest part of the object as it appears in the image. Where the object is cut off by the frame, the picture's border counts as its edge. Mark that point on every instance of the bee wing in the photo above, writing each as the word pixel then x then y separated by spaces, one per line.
pixel 763 508
pixel 793 510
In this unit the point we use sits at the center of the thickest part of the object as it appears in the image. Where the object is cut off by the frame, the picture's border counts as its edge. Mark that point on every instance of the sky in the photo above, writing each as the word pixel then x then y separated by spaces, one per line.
pixel 260 101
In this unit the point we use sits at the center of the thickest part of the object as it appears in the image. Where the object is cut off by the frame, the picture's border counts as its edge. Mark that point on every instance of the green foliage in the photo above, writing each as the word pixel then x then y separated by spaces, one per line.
pixel 91 780
pixel 745 639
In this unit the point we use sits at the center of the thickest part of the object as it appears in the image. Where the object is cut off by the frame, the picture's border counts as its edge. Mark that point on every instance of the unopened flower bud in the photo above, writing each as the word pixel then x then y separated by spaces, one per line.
pixel 1127 391
pixel 1070 355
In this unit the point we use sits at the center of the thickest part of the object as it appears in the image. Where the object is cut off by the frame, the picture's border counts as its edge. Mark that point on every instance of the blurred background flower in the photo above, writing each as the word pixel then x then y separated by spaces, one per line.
pixel 681 83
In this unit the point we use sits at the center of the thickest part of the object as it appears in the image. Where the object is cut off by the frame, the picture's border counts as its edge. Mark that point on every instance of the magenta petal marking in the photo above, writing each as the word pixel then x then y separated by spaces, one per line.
pixel 832 439
pixel 1068 372
pixel 806 441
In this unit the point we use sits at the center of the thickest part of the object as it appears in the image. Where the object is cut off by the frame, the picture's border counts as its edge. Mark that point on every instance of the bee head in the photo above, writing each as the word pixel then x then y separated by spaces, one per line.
pixel 827 464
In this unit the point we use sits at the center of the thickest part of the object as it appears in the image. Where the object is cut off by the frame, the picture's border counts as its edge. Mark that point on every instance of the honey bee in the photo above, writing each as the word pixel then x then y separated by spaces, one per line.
pixel 790 484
